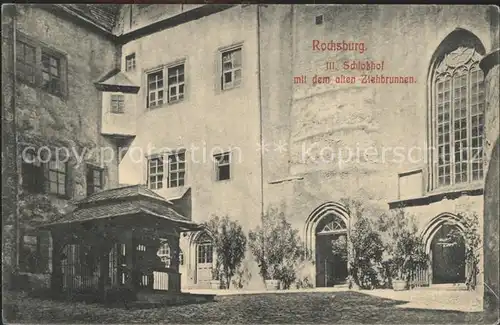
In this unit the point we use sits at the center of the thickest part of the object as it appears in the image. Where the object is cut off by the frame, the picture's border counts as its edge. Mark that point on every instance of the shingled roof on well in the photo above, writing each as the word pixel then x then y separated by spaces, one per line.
pixel 112 203
pixel 121 193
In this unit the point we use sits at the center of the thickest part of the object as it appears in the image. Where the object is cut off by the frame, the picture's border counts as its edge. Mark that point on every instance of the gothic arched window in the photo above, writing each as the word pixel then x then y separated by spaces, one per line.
pixel 458 118
pixel 331 223
pixel 205 249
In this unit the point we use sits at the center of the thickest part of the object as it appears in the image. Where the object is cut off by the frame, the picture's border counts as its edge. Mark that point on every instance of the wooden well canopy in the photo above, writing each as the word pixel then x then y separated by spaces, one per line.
pixel 112 240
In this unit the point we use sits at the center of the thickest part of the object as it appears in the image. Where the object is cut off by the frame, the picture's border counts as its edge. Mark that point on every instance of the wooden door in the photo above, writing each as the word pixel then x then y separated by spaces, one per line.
pixel 204 264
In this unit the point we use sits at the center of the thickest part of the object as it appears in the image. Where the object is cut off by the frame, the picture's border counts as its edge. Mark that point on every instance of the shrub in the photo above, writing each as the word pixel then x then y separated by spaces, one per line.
pixel 404 251
pixel 470 234
pixel 277 248
pixel 230 244
pixel 367 249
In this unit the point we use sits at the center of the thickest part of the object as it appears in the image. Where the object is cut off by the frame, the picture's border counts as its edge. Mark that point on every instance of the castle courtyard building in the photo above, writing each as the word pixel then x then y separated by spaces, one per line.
pixel 236 109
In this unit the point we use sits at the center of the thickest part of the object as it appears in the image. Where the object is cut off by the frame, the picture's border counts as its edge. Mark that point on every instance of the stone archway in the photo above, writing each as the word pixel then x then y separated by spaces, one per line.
pixel 445 247
pixel 326 237
pixel 202 258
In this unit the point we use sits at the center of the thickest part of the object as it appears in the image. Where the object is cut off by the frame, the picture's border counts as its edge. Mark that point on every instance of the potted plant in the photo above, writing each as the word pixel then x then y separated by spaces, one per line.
pixel 272 284
pixel 271 281
pixel 403 253
pixel 230 245
pixel 409 256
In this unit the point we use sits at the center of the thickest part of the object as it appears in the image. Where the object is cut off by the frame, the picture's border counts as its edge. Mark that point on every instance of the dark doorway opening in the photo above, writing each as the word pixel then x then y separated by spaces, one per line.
pixel 448 256
pixel 331 252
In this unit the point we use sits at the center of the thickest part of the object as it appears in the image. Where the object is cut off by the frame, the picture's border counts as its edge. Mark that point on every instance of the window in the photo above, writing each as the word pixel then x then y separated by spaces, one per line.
pixel 117 103
pixel 30 254
pixel 164 254
pixel 459 118
pixel 32 173
pixel 130 62
pixel 155 173
pixel 176 169
pixel 176 83
pixel 231 69
pixel 57 177
pixel 51 74
pixel 155 89
pixel 175 164
pixel 174 87
pixel 318 20
pixel 26 62
pixel 40 66
pixel 94 179
pixel 205 253
pixel 222 166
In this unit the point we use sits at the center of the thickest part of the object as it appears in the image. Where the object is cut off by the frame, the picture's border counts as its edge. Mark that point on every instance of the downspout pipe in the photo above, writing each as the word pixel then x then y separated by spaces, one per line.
pixel 261 138
pixel 12 9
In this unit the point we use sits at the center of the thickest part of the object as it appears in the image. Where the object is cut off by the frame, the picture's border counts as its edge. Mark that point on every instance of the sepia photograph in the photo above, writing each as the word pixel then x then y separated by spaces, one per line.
pixel 232 163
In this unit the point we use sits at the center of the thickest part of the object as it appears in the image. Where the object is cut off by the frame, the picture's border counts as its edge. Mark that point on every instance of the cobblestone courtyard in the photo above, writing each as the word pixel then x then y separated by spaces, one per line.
pixel 276 308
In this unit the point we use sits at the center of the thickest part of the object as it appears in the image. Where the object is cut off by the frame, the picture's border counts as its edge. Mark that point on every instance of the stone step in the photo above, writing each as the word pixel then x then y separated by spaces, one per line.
pixel 445 287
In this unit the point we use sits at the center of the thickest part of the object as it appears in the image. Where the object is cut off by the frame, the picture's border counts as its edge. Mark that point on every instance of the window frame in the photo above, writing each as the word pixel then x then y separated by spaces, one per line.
pixel 93 169
pixel 441 75
pixel 178 169
pixel 57 173
pixel 159 176
pixel 218 165
pixel 225 86
pixel 20 74
pixel 319 19
pixel 36 185
pixel 120 107
pixel 157 90
pixel 176 85
pixel 207 248
pixel 35 253
pixel 167 171
pixel 131 58
pixel 166 86
pixel 40 50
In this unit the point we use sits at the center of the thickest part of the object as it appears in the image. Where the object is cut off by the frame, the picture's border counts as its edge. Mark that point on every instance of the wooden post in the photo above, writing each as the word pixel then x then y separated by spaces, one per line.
pixel 130 262
pixel 56 281
pixel 104 249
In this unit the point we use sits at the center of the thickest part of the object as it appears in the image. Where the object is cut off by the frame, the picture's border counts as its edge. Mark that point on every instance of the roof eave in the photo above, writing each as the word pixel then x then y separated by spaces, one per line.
pixel 57 8
pixel 117 88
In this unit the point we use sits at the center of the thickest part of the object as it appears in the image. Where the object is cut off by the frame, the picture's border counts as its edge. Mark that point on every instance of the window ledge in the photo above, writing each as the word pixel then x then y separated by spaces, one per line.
pixel 166 104
pixel 471 189
pixel 44 273
pixel 222 181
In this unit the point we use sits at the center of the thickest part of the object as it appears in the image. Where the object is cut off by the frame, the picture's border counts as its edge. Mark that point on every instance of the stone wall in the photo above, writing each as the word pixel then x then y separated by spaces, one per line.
pixel 9 161
pixel 331 124
pixel 67 123
pixel 491 231
pixel 73 121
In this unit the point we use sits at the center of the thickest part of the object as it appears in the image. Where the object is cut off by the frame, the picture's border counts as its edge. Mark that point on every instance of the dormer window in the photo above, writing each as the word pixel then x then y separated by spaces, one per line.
pixel 117 103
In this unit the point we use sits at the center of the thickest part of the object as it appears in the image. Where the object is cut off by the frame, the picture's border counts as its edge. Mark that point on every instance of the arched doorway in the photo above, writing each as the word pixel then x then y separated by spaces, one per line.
pixel 448 255
pixel 204 260
pixel 326 238
pixel 331 251
pixel 445 246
